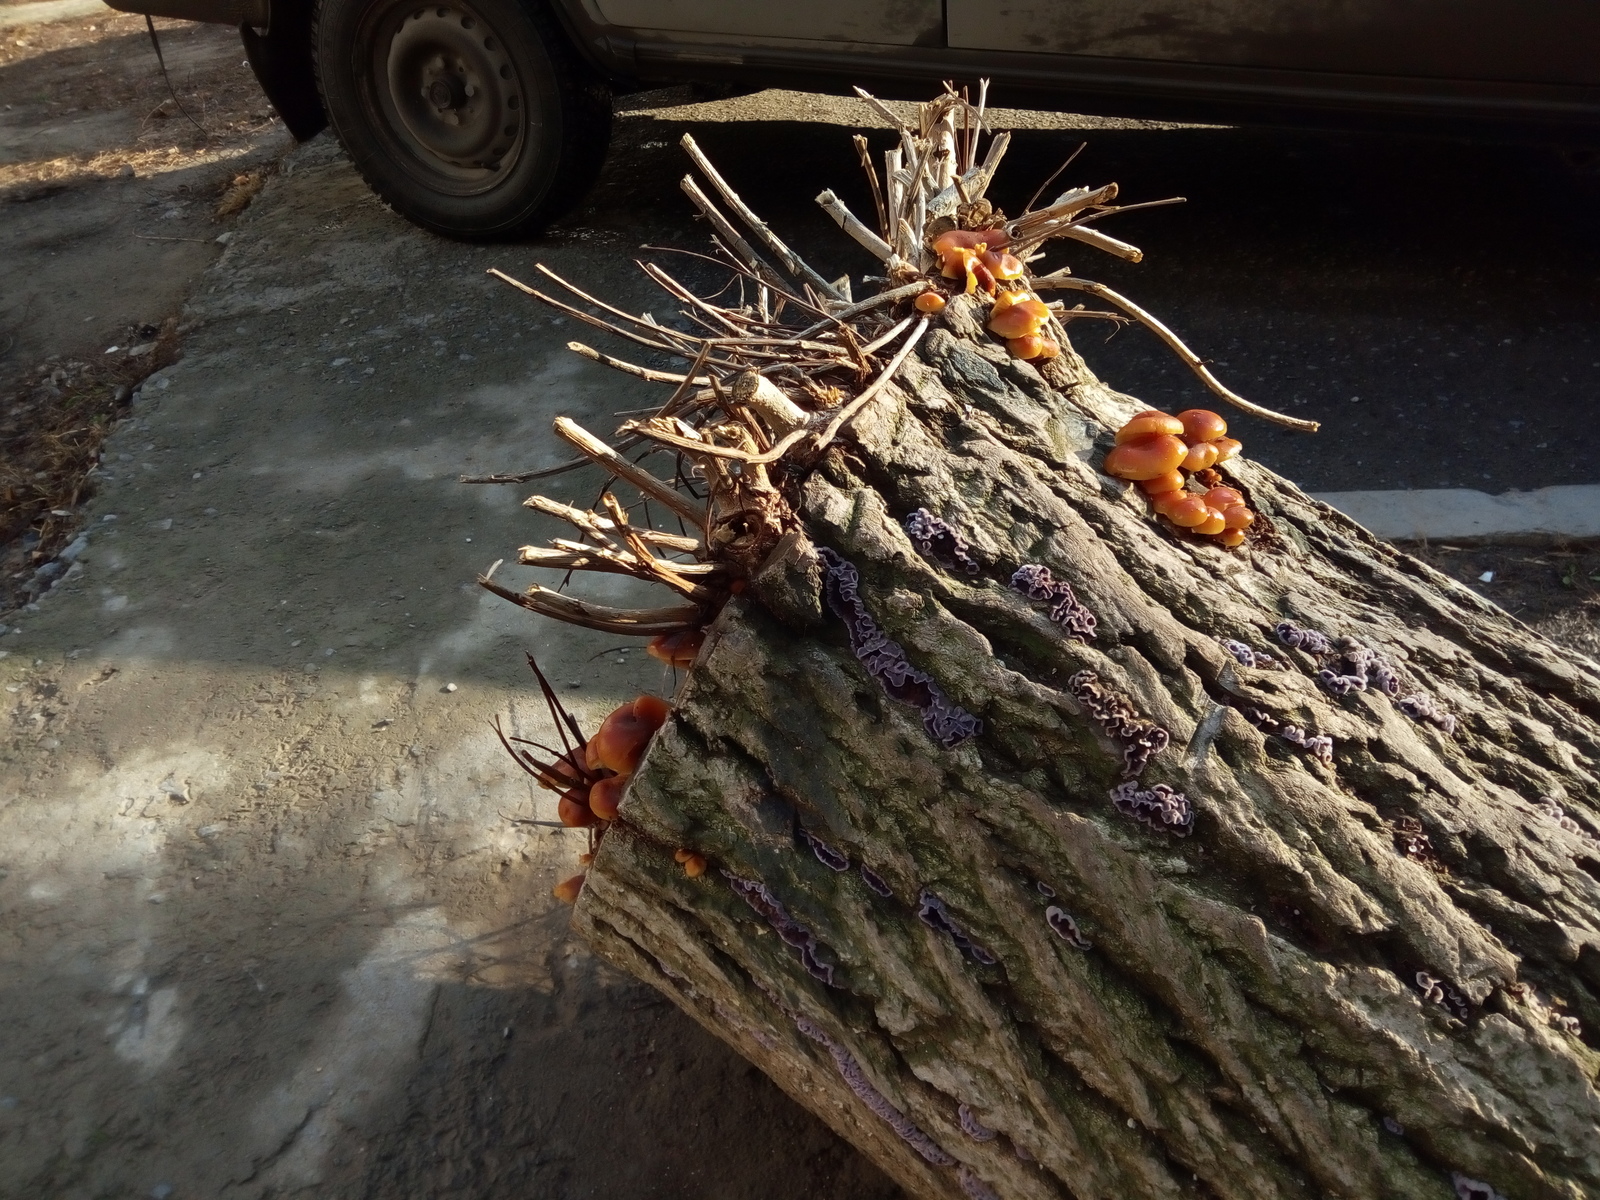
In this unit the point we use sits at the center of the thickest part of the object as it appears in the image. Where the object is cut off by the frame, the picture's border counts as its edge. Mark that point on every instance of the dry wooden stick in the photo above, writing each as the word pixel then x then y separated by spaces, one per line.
pixel 1101 241
pixel 831 430
pixel 882 109
pixel 1193 360
pixel 851 224
pixel 791 261
pixel 641 622
pixel 904 292
pixel 644 323
pixel 872 179
pixel 570 431
pixel 650 567
pixel 592 558
pixel 589 319
pixel 629 368
pixel 724 227
pixel 599 527
pixel 673 288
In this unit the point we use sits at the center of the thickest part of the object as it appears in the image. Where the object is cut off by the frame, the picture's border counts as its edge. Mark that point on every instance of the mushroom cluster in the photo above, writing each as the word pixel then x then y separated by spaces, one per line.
pixel 1156 451
pixel 978 258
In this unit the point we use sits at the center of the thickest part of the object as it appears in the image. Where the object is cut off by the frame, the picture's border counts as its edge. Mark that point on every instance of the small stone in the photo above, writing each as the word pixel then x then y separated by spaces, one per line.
pixel 1486 577
pixel 573 683
pixel 449 687
pixel 339 362
pixel 112 516
pixel 224 238
pixel 197 475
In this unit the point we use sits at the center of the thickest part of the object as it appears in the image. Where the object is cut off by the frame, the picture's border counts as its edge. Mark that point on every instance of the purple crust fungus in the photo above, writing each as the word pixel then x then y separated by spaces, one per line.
pixel 795 935
pixel 834 860
pixel 1319 746
pixel 935 915
pixel 1443 993
pixel 1552 811
pixel 876 882
pixel 936 539
pixel 885 660
pixel 1308 640
pixel 1471 1189
pixel 1066 928
pixel 1036 583
pixel 1425 708
pixel 972 1127
pixel 856 1079
pixel 1141 739
pixel 1159 807
pixel 1246 655
pixel 1045 890
pixel 974 1188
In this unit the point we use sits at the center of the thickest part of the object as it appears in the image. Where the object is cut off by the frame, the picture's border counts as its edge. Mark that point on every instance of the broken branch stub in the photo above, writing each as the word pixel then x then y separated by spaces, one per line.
pixel 1045 846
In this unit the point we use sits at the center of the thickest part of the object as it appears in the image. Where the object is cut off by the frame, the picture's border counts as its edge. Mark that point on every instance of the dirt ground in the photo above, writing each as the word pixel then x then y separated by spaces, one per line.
pixel 271 920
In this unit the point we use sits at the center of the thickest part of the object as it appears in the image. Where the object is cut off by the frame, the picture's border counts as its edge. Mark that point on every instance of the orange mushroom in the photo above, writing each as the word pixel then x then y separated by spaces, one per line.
pixel 929 302
pixel 620 741
pixel 964 253
pixel 1033 345
pixel 573 809
pixel 1226 448
pixel 1238 516
pixel 680 855
pixel 1148 423
pixel 1146 458
pixel 1214 523
pixel 1231 538
pixel 677 649
pixel 1224 498
pixel 1017 314
pixel 1202 425
pixel 1201 455
pixel 1189 512
pixel 1002 265
pixel 694 866
pixel 1172 481
pixel 567 890
pixel 605 795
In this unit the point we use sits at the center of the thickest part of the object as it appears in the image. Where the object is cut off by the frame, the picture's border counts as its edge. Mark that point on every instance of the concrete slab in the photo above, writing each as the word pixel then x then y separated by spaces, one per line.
pixel 1569 511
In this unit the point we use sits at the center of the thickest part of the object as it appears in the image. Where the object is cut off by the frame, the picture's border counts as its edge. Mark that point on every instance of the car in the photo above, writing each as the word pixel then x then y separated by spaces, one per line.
pixel 487 119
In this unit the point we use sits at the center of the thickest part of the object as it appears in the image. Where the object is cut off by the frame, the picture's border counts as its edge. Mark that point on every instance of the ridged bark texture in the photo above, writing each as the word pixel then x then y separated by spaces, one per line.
pixel 1377 976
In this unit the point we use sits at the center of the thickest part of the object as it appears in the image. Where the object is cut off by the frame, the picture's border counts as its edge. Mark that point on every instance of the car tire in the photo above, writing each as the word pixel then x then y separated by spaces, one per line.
pixel 472 118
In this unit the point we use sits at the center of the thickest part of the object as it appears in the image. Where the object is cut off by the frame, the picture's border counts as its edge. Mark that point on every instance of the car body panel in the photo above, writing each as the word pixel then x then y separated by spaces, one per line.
pixel 1526 41
pixel 862 22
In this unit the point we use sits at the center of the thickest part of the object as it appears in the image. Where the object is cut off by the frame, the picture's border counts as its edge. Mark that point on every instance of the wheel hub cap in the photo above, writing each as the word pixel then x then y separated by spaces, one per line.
pixel 455 89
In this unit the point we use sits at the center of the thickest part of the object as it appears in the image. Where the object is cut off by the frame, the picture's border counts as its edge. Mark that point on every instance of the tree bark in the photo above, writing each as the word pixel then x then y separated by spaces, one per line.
pixel 1372 976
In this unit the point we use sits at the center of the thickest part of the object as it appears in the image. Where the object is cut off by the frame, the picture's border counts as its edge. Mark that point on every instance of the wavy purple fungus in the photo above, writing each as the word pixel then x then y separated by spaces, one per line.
pixel 856 1079
pixel 1309 640
pixel 1159 807
pixel 935 538
pixel 1246 655
pixel 829 857
pixel 876 882
pixel 885 660
pixel 1045 890
pixel 1426 709
pixel 1443 993
pixel 935 915
pixel 1471 1189
pixel 1551 811
pixel 972 1127
pixel 1036 582
pixel 793 934
pixel 1066 928
pixel 1319 746
pixel 1141 738
pixel 973 1187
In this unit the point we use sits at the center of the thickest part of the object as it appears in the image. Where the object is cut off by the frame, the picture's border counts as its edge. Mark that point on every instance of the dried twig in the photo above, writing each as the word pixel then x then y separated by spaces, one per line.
pixel 569 430
pixel 1193 360
pixel 851 224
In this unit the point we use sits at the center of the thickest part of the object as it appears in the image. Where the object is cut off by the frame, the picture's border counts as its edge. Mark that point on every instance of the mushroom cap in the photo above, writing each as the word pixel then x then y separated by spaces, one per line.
pixel 1145 458
pixel 1231 537
pixel 1147 423
pixel 1189 512
pixel 929 302
pixel 1202 425
pixel 1017 314
pixel 967 239
pixel 1238 517
pixel 694 866
pixel 1201 455
pixel 1223 498
pixel 605 795
pixel 620 741
pixel 678 649
pixel 567 890
pixel 1002 265
pixel 573 809
pixel 1214 523
pixel 1161 484
pixel 1227 448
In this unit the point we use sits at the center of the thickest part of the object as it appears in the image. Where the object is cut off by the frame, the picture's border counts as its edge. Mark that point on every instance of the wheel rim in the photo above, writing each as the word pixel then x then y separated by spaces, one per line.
pixel 449 94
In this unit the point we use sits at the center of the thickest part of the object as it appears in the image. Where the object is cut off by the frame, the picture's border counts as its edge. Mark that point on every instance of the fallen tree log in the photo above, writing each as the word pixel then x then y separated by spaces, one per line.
pixel 1170 870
